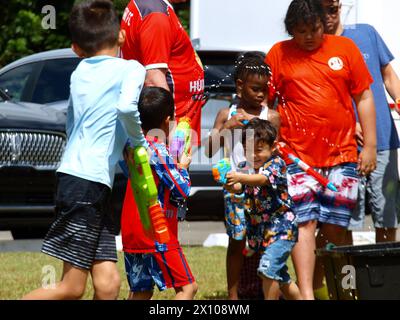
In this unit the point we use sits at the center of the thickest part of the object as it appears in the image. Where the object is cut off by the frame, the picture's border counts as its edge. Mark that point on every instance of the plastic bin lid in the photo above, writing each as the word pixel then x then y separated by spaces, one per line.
pixel 380 249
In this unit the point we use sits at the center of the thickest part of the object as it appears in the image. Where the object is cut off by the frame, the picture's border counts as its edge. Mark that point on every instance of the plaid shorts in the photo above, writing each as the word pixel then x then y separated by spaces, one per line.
pixel 314 202
pixel 83 231
pixel 235 219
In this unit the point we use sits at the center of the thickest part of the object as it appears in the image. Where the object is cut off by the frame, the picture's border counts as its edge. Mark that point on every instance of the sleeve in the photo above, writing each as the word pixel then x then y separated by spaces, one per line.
pixel 127 106
pixel 385 56
pixel 70 118
pixel 156 37
pixel 176 180
pixel 360 77
pixel 275 173
pixel 272 61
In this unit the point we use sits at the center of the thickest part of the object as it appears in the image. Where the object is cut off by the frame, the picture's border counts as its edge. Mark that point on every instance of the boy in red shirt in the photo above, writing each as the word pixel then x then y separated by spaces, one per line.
pixel 147 262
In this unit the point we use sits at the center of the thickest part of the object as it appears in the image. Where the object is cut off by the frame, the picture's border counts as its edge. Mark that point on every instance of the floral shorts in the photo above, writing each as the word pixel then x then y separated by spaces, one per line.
pixel 235 219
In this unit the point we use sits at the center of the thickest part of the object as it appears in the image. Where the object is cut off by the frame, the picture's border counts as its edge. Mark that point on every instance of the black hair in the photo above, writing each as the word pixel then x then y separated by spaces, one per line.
pixel 251 66
pixel 263 131
pixel 304 11
pixel 243 57
pixel 155 105
pixel 94 25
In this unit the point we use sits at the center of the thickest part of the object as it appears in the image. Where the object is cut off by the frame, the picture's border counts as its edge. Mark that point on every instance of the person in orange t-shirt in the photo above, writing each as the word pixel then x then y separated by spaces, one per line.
pixel 316 77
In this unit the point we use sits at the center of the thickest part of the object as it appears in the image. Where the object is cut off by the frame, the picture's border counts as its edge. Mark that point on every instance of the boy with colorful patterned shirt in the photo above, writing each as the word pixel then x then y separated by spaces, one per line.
pixel 271 223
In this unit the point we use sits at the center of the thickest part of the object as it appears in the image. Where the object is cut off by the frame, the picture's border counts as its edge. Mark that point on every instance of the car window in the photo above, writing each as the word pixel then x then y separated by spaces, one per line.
pixel 15 81
pixel 54 79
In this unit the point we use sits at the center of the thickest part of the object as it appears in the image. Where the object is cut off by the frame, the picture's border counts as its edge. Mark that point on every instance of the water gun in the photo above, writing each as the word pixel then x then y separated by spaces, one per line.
pixel 181 140
pixel 220 170
pixel 306 168
pixel 146 195
pixel 234 113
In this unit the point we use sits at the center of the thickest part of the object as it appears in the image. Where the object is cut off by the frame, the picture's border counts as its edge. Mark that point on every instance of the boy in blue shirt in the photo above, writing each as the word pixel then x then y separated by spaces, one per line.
pixel 271 223
pixel 102 115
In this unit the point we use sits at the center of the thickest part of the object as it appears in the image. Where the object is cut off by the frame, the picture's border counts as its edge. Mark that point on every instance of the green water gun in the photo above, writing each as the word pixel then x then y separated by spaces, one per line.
pixel 146 195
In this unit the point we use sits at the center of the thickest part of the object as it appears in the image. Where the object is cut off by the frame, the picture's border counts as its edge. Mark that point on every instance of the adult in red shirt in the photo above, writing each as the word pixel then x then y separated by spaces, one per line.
pixel 315 78
pixel 156 38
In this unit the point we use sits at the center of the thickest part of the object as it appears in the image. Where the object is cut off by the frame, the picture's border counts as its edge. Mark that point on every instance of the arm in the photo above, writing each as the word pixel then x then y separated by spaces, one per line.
pixel 221 130
pixel 275 119
pixel 127 106
pixel 252 180
pixel 392 83
pixel 70 118
pixel 176 180
pixel 156 78
pixel 366 111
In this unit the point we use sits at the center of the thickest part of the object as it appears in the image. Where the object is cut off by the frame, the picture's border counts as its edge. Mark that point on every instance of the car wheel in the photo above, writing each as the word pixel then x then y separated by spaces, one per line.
pixel 29 233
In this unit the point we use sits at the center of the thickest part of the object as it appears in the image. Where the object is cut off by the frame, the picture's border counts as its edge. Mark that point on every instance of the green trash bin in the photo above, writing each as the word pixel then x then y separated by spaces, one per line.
pixel 368 272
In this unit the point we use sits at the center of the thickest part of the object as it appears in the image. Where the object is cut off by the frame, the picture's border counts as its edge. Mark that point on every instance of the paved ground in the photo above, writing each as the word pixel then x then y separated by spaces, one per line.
pixel 190 233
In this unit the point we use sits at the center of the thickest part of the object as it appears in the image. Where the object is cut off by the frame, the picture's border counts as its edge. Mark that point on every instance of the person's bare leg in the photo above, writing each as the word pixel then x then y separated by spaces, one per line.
pixel 71 287
pixel 270 288
pixel 328 233
pixel 291 291
pixel 303 257
pixel 349 238
pixel 234 263
pixel 145 295
pixel 186 292
pixel 385 235
pixel 106 280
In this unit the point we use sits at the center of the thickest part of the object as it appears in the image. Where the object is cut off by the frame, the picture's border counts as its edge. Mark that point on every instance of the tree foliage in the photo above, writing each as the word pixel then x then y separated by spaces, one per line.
pixel 22 32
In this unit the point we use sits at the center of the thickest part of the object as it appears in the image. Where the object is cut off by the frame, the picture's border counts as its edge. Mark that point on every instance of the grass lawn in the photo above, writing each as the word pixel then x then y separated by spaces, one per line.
pixel 22 272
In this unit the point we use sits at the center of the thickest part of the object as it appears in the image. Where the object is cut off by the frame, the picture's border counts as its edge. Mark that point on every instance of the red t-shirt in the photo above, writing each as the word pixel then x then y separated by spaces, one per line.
pixel 156 38
pixel 317 115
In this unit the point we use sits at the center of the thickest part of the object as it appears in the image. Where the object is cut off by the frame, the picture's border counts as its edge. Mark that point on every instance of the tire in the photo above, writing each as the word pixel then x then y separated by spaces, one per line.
pixel 29 233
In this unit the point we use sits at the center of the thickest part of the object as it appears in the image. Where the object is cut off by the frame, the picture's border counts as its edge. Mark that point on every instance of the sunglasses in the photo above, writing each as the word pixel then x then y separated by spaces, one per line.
pixel 332 10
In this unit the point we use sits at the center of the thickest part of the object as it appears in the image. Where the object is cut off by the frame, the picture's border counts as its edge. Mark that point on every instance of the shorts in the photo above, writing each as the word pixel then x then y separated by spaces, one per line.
pixel 83 231
pixel 313 202
pixel 167 269
pixel 273 261
pixel 379 193
pixel 235 219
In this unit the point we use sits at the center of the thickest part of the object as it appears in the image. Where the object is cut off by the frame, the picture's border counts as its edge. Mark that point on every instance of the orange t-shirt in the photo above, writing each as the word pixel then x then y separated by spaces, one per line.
pixel 315 92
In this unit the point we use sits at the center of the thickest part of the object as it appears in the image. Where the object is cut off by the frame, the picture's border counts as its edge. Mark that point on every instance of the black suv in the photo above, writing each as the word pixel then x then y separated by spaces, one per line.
pixel 32 139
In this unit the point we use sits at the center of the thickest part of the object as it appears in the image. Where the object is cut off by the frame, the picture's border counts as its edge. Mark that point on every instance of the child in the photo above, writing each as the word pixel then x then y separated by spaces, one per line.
pixel 147 262
pixel 251 77
pixel 272 227
pixel 102 114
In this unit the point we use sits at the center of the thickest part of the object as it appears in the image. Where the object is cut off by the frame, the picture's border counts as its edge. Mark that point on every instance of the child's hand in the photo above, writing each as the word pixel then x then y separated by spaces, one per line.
pixel 367 161
pixel 359 135
pixel 236 188
pixel 235 121
pixel 185 160
pixel 233 178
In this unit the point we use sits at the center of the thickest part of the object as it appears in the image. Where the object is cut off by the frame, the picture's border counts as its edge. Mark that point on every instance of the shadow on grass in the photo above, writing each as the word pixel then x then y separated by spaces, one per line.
pixel 219 295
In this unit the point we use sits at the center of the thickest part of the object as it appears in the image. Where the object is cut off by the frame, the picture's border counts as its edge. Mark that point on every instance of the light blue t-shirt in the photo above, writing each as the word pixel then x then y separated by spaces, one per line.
pixel 102 114
pixel 376 55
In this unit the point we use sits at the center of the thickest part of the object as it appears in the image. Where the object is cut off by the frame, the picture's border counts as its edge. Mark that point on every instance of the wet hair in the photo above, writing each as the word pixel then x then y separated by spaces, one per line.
pixel 155 105
pixel 304 11
pixel 94 25
pixel 243 57
pixel 252 66
pixel 263 131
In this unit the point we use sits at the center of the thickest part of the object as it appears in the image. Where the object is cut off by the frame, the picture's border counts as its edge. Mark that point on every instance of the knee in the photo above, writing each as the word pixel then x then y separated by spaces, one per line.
pixel 107 288
pixel 73 292
pixel 190 290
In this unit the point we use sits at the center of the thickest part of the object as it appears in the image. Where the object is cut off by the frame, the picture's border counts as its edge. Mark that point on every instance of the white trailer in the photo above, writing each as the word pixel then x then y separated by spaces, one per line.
pixel 258 24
